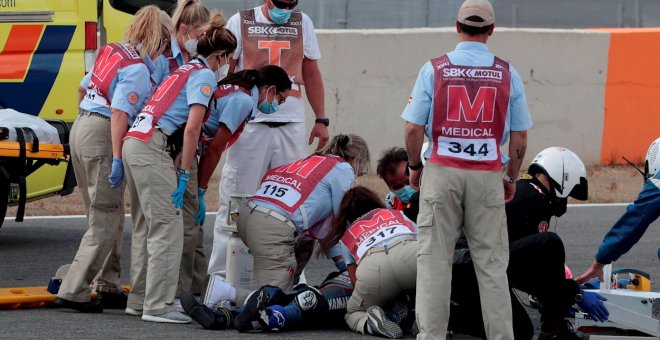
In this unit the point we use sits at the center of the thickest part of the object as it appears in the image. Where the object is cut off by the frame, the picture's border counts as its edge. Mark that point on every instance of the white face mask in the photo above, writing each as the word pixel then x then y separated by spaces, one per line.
pixel 191 45
pixel 221 72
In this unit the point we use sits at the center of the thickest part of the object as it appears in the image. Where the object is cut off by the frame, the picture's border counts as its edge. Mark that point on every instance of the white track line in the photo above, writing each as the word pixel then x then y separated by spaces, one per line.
pixel 586 205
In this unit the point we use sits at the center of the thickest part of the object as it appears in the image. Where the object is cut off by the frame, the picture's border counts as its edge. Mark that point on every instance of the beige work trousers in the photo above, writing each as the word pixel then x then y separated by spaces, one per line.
pixel 157 241
pixel 193 257
pixel 271 243
pixel 454 199
pixel 100 247
pixel 381 277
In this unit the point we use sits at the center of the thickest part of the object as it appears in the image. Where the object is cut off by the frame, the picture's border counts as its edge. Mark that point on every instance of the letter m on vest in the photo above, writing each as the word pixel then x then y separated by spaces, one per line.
pixel 460 104
pixel 107 62
pixel 302 167
pixel 359 228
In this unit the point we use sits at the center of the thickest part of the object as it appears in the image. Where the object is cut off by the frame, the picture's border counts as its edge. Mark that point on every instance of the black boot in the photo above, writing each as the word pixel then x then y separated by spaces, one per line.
pixel 112 300
pixel 205 316
pixel 83 307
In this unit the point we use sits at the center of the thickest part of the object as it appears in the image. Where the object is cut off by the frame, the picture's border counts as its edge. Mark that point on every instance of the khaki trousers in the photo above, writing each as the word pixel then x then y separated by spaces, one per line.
pixel 100 247
pixel 381 277
pixel 271 242
pixel 454 199
pixel 193 257
pixel 158 231
pixel 259 149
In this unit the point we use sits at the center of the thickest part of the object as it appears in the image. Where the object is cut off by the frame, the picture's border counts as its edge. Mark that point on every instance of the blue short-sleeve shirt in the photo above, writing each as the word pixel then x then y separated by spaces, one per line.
pixel 231 110
pixel 197 90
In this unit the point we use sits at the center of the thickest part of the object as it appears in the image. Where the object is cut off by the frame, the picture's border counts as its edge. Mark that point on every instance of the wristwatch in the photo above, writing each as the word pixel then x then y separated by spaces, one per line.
pixel 416 167
pixel 508 178
pixel 324 121
pixel 579 298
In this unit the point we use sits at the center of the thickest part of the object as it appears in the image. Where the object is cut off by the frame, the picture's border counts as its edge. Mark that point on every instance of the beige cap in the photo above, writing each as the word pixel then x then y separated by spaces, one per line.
pixel 480 8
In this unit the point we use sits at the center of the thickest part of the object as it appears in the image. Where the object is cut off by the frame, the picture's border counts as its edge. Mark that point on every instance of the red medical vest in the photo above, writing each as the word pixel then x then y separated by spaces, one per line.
pixel 161 100
pixel 469 114
pixel 289 185
pixel 112 57
pixel 373 228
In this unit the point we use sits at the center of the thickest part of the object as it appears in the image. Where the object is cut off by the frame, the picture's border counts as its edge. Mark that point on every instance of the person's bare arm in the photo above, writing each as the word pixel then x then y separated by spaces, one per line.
pixel 316 97
pixel 118 128
pixel 517 150
pixel 191 134
pixel 212 156
pixel 414 137
pixel 81 94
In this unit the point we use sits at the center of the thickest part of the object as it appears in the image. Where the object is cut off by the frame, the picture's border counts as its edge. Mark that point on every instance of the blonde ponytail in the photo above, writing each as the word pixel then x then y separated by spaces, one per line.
pixel 349 147
pixel 149 28
pixel 189 13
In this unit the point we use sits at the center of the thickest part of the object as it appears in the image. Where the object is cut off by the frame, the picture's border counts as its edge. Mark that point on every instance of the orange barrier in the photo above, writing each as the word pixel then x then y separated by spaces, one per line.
pixel 632 89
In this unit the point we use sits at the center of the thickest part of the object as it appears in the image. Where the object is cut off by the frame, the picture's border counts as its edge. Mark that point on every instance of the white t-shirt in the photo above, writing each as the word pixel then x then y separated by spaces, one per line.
pixel 293 110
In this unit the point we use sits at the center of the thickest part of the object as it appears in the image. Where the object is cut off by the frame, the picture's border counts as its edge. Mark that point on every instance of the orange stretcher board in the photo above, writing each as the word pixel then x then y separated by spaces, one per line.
pixel 31 297
pixel 46 151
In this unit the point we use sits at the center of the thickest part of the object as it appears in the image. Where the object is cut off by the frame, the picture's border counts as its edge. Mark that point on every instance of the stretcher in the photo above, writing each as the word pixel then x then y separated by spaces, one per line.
pixel 633 315
pixel 21 157
pixel 32 297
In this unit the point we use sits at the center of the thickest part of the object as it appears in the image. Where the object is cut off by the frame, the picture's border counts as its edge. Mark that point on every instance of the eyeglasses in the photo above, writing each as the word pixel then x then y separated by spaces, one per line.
pixel 285 4
pixel 280 99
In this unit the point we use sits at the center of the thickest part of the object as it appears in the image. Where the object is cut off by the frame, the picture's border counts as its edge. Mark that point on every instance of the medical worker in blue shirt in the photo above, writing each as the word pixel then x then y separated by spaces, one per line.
pixel 238 96
pixel 468 102
pixel 630 228
pixel 179 103
pixel 188 19
pixel 116 90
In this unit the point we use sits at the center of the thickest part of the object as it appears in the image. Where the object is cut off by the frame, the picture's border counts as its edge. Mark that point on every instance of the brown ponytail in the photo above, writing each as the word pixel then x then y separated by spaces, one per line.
pixel 349 147
pixel 266 75
pixel 355 203
pixel 216 38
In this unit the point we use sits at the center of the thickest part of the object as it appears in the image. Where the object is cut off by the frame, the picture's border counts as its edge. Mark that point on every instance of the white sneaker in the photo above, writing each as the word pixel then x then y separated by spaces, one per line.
pixel 218 290
pixel 169 317
pixel 134 312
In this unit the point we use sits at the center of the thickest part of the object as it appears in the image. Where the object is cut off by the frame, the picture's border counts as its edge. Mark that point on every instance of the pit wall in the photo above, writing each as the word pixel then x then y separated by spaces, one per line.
pixel 592 91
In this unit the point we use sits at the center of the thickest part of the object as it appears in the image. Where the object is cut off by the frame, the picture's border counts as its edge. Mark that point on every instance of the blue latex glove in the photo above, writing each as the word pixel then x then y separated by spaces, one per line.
pixel 200 216
pixel 592 303
pixel 116 173
pixel 177 195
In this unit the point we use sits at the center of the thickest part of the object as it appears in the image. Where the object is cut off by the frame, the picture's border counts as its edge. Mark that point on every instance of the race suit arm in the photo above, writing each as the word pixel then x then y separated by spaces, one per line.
pixel 627 231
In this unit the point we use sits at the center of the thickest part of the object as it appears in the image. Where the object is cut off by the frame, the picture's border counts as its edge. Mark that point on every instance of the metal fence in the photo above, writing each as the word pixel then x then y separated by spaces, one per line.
pixel 442 13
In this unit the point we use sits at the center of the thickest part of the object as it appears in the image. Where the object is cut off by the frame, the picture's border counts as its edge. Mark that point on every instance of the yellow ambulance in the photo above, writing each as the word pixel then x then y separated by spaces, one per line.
pixel 46 47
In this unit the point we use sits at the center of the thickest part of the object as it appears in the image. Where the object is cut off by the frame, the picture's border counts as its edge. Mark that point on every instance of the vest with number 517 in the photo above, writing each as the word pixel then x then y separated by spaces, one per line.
pixel 374 228
pixel 469 114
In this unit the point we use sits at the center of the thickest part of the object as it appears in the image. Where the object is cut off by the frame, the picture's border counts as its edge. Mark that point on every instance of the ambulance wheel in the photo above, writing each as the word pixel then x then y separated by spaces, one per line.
pixel 4 200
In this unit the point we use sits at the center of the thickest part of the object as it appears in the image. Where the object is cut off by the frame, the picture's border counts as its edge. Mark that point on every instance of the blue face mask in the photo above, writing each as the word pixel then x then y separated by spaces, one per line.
pixel 404 194
pixel 279 16
pixel 267 107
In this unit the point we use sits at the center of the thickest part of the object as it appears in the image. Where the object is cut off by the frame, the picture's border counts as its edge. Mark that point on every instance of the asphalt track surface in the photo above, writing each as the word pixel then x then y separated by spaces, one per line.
pixel 31 252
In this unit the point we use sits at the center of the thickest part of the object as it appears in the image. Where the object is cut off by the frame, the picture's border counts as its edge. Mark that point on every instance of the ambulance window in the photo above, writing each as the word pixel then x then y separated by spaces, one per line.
pixel 132 6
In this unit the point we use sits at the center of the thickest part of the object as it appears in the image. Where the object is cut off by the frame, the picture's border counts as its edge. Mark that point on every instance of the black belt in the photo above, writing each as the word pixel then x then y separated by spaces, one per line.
pixel 95 114
pixel 274 124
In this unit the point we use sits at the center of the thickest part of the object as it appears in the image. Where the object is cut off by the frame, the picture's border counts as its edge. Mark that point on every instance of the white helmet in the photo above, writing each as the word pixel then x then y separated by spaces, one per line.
pixel 652 163
pixel 565 170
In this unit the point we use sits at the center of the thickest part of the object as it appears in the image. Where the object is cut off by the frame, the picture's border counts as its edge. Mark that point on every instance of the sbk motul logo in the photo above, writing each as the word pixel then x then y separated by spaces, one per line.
pixel 273 30
pixel 472 73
